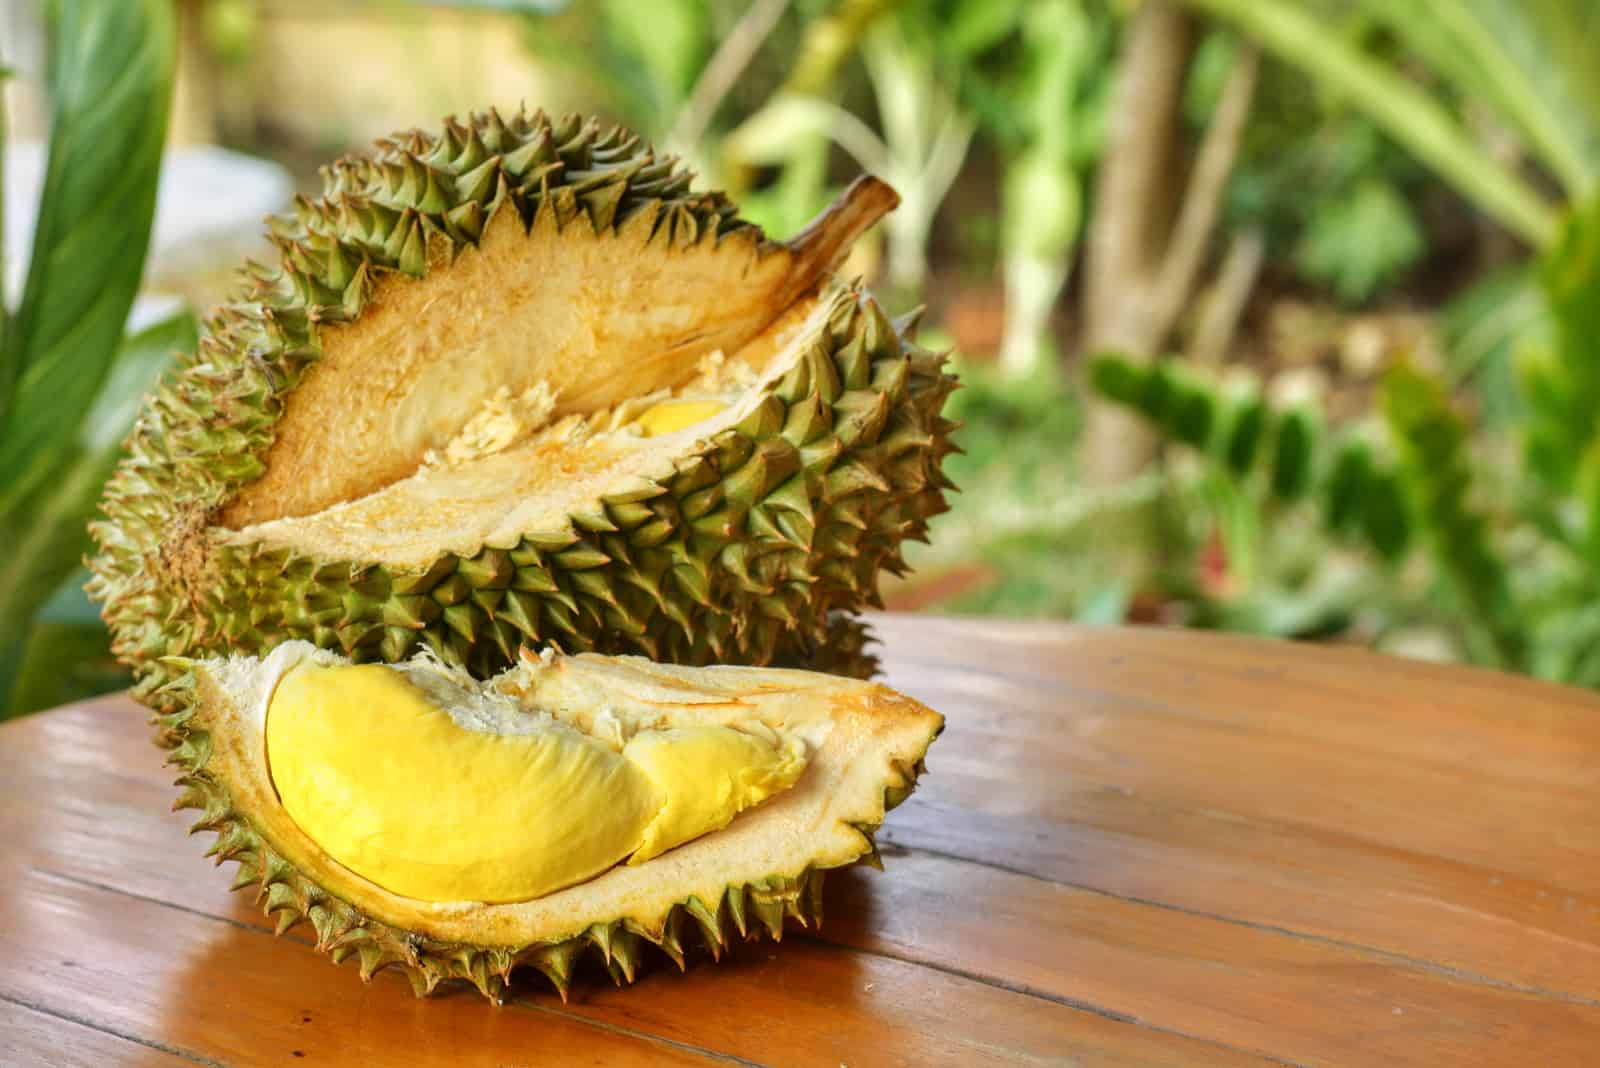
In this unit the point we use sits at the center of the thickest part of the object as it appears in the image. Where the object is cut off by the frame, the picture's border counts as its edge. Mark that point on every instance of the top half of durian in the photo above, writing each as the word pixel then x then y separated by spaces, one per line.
pixel 516 384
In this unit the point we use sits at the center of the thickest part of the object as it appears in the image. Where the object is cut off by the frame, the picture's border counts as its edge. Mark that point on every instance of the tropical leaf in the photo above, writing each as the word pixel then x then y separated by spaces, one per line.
pixel 111 67
pixel 1560 375
pixel 1242 436
pixel 1361 241
pixel 1404 110
pixel 67 655
pixel 1495 51
pixel 1434 444
pixel 46 537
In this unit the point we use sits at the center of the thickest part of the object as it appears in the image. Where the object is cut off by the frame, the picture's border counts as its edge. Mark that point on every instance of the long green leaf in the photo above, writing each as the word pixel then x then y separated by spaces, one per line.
pixel 1493 50
pixel 67 656
pixel 1434 445
pixel 111 67
pixel 1560 52
pixel 5 312
pixel 1404 111
pixel 46 539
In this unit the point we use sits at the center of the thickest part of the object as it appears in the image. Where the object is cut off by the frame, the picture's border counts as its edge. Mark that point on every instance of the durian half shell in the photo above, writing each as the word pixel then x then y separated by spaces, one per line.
pixel 413 430
pixel 866 743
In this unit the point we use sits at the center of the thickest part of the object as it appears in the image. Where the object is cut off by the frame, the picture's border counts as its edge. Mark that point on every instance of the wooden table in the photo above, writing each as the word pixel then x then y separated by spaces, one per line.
pixel 1133 847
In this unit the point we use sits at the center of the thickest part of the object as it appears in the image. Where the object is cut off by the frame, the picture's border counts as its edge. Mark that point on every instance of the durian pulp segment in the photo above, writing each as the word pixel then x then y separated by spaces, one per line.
pixel 706 776
pixel 669 417
pixel 495 806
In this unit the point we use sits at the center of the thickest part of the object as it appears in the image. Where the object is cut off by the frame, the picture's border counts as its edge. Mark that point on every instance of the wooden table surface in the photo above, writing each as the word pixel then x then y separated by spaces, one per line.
pixel 1133 847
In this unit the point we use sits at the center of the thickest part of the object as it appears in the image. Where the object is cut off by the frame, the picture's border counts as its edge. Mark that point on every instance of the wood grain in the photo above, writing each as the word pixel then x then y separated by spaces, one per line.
pixel 1133 848
pixel 29 1036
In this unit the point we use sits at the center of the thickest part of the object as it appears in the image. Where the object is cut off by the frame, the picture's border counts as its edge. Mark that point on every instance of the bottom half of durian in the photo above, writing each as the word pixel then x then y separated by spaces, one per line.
pixel 572 807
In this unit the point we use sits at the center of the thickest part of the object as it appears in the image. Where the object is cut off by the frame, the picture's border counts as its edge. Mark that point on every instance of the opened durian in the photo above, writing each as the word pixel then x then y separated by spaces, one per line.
pixel 515 384
pixel 568 806
pixel 511 388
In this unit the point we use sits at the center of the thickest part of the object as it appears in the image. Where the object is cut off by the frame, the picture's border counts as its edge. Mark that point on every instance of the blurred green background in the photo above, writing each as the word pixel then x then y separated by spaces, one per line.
pixel 1277 316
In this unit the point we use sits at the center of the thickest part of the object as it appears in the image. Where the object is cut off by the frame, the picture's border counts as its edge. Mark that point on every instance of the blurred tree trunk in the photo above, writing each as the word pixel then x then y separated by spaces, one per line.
pixel 1150 229
pixel 195 92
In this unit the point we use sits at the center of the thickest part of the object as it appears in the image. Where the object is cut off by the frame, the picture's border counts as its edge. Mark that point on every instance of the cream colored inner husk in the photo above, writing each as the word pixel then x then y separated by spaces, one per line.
pixel 516 465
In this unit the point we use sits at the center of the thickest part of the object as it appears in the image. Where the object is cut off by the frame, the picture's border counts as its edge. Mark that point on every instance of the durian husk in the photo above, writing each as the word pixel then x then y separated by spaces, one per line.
pixel 745 549
pixel 742 882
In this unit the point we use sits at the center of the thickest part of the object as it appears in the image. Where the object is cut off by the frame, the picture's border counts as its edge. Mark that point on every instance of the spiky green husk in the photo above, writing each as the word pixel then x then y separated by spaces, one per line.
pixel 745 555
pixel 744 912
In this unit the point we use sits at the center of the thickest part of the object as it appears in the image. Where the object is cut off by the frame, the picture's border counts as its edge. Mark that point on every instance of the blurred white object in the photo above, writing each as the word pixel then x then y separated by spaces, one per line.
pixel 208 210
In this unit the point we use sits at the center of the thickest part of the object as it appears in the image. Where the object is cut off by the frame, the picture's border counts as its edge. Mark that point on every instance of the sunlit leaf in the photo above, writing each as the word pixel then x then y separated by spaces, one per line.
pixel 1405 111
pixel 111 65
pixel 1496 52
pixel 46 538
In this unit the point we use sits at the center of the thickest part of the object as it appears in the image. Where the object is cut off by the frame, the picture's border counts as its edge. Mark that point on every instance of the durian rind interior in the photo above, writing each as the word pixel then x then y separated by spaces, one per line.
pixel 596 317
pixel 516 463
pixel 863 742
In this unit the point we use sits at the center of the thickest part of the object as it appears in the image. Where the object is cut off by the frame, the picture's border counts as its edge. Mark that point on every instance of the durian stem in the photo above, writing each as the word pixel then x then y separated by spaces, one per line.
pixel 825 242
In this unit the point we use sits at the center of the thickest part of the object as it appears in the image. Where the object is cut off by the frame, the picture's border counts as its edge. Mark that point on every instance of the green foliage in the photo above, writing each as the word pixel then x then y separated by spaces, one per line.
pixel 1525 59
pixel 918 146
pixel 1041 543
pixel 1471 51
pixel 69 383
pixel 1480 329
pixel 1320 183
pixel 1276 455
pixel 1361 242
pixel 1438 473
pixel 1561 377
pixel 1506 540
pixel 639 60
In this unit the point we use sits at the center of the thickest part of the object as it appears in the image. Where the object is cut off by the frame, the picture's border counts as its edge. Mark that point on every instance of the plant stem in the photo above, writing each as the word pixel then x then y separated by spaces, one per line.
pixel 731 59
pixel 1032 283
pixel 1223 307
pixel 1202 197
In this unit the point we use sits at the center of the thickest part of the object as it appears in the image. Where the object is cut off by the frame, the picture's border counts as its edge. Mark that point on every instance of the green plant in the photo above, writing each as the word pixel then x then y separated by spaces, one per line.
pixel 1059 99
pixel 638 60
pixel 924 138
pixel 689 75
pixel 1520 60
pixel 69 379
pixel 1317 181
pixel 1489 531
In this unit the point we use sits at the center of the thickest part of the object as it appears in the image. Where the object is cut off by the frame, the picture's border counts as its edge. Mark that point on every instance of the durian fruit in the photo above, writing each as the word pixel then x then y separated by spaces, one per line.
pixel 571 806
pixel 517 384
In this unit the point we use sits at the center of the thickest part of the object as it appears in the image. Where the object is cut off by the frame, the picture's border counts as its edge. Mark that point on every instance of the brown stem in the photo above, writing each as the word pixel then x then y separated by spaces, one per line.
pixel 719 75
pixel 1133 197
pixel 1224 306
pixel 826 240
pixel 1202 198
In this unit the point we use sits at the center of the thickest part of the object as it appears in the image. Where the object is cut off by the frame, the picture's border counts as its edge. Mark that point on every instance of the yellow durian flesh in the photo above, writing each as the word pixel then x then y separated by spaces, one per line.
pixel 706 776
pixel 863 745
pixel 669 417
pixel 491 804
